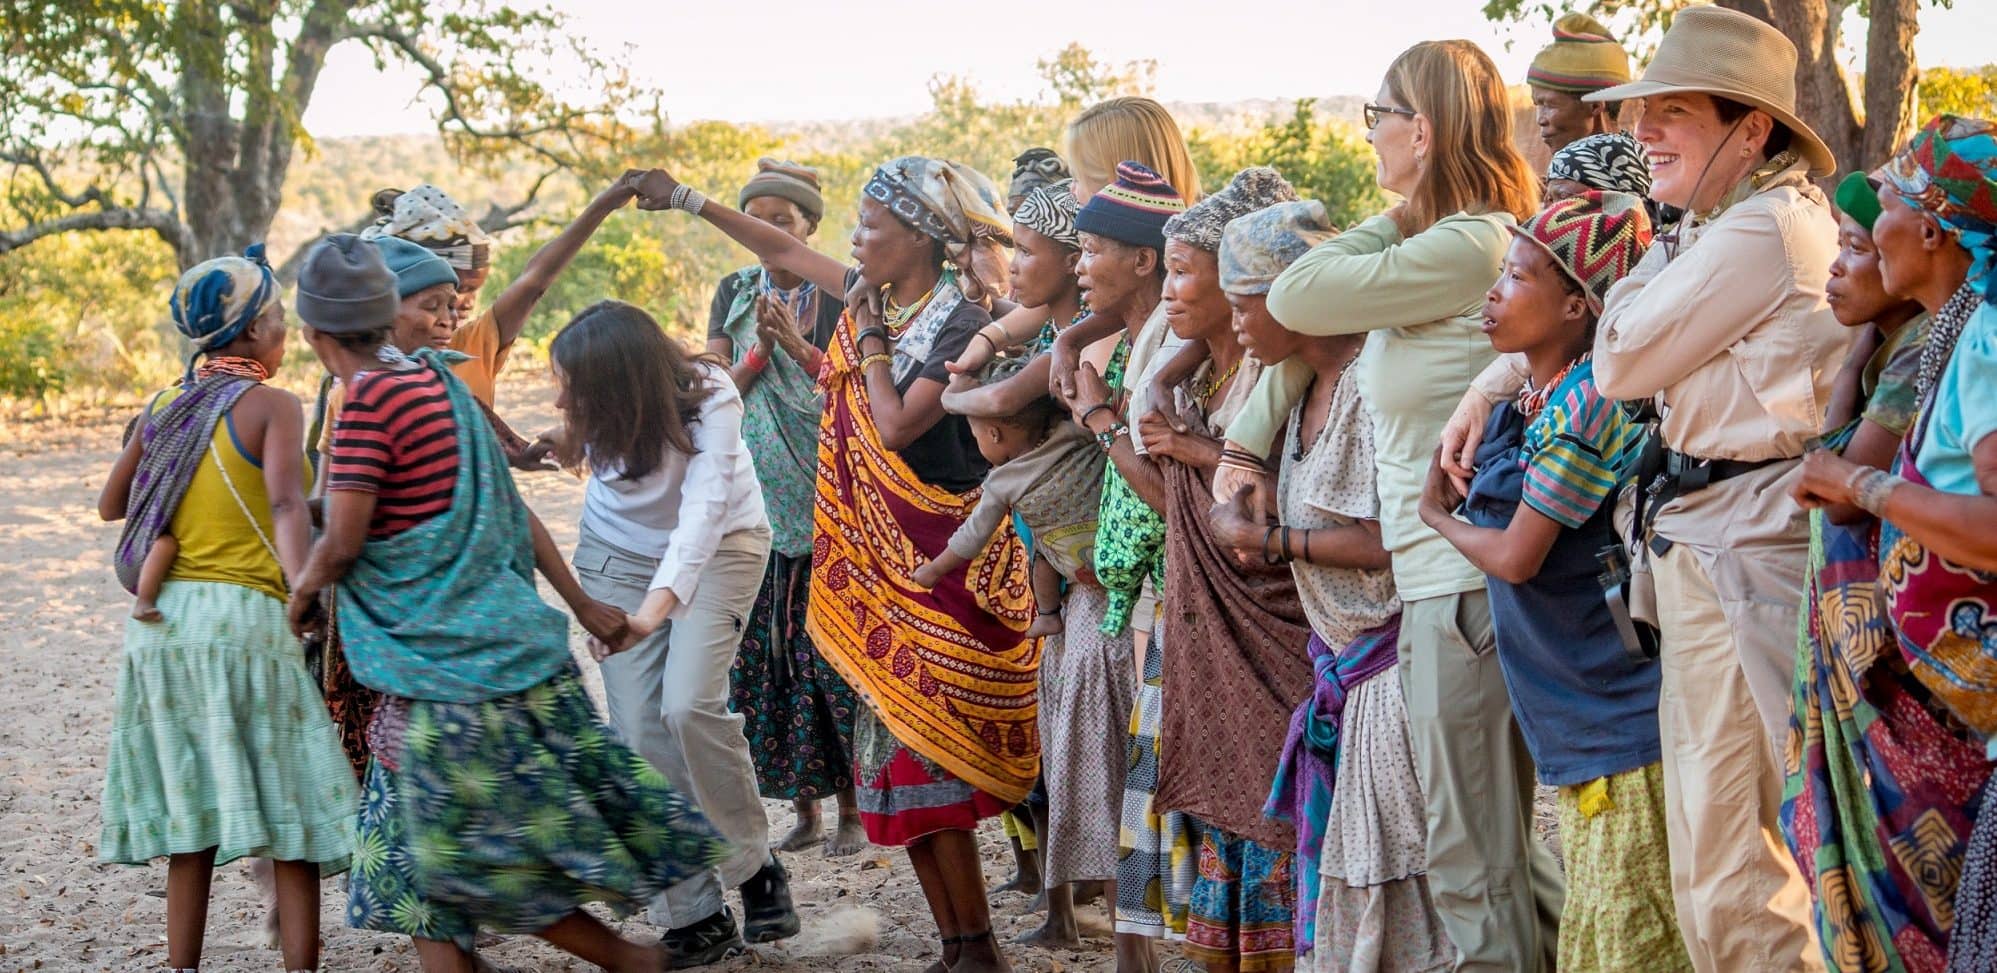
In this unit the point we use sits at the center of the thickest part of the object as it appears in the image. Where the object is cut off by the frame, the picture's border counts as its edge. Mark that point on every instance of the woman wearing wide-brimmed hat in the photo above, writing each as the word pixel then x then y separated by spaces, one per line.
pixel 1724 325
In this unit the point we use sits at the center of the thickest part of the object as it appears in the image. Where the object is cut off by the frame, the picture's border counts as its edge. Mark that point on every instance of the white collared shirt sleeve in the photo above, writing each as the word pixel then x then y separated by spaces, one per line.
pixel 706 495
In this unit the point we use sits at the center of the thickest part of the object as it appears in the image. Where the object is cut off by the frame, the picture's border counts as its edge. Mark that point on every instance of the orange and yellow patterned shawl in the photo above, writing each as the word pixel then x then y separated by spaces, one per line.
pixel 948 671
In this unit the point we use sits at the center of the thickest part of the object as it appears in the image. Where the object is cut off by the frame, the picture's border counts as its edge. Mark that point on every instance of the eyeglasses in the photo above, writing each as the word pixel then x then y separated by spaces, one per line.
pixel 1373 113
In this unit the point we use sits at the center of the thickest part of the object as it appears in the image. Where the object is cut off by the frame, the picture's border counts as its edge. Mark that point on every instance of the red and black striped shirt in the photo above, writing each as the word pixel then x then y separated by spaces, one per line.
pixel 395 438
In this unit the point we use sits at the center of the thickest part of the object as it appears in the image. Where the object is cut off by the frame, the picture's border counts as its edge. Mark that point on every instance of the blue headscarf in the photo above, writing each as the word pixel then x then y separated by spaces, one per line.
pixel 216 299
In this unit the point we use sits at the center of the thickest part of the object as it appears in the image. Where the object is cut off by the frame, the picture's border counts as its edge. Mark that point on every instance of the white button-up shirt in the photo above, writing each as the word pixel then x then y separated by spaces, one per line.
pixel 680 512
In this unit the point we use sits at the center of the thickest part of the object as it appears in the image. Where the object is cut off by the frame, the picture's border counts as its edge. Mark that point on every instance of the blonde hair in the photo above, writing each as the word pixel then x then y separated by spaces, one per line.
pixel 1472 165
pixel 1133 129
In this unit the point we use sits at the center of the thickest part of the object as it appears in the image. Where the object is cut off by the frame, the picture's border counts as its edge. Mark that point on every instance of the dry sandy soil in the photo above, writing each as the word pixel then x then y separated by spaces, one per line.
pixel 61 613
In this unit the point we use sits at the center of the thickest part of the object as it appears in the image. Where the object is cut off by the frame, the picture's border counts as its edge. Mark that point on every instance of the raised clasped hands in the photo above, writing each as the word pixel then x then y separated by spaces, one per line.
pixel 652 187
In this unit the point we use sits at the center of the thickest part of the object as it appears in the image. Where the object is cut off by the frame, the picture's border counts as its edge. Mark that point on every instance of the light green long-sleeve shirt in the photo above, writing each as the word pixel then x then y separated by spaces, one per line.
pixel 1419 302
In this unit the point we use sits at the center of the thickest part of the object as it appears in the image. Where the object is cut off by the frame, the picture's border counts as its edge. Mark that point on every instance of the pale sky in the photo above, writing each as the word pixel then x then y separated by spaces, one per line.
pixel 867 59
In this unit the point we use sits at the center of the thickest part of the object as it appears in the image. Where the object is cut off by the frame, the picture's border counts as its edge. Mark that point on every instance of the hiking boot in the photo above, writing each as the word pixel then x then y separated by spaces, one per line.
pixel 710 940
pixel 767 913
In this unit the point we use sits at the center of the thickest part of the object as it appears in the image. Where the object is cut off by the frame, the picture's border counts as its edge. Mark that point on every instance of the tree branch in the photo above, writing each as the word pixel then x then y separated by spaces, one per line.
pixel 89 195
pixel 440 79
pixel 288 270
pixel 166 224
pixel 499 218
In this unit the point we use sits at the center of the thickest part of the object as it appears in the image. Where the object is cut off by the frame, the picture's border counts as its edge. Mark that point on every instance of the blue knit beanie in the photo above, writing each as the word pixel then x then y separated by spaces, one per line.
pixel 1133 209
pixel 416 267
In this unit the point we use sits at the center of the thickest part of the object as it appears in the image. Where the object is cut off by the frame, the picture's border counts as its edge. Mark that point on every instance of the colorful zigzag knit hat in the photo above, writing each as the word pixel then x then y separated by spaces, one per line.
pixel 1594 238
pixel 1133 209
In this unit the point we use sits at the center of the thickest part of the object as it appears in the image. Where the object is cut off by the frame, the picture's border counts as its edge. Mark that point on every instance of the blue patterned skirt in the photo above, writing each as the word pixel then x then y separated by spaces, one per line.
pixel 509 814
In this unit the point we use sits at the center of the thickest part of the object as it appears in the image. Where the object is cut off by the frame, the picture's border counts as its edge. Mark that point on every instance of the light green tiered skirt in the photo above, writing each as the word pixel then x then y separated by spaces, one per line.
pixel 220 739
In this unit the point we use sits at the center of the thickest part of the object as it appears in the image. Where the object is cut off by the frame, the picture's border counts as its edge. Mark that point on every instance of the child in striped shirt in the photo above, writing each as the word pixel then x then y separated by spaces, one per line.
pixel 1539 518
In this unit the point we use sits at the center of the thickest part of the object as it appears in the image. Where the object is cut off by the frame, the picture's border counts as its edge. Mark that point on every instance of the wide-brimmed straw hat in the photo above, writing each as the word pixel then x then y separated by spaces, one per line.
pixel 1731 55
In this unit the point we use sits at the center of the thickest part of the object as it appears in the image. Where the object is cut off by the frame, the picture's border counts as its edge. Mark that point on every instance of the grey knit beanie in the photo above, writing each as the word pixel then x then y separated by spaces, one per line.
pixel 1253 188
pixel 344 287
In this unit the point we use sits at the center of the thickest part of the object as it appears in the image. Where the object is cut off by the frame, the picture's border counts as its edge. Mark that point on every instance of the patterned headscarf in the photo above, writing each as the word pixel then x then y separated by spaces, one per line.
pixel 941 200
pixel 216 299
pixel 1253 188
pixel 1050 210
pixel 1608 161
pixel 1032 169
pixel 1950 170
pixel 425 215
pixel 1257 247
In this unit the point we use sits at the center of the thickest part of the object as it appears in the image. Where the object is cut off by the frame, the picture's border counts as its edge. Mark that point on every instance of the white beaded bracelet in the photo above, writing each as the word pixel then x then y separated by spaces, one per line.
pixel 1874 488
pixel 687 198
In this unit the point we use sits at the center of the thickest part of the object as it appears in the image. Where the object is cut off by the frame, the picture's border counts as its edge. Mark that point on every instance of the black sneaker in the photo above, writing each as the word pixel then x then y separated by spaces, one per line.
pixel 767 913
pixel 710 940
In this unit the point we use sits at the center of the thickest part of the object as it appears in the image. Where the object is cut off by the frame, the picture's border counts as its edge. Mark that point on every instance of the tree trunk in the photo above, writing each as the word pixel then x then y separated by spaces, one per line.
pixel 1890 77
pixel 207 133
pixel 1824 97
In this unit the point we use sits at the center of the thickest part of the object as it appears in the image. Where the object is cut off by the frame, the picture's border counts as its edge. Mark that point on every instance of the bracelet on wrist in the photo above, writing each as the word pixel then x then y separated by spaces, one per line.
pixel 880 358
pixel 1107 439
pixel 989 340
pixel 1091 411
pixel 687 198
pixel 1242 459
pixel 1269 556
pixel 1875 487
pixel 1045 612
pixel 755 360
pixel 1288 556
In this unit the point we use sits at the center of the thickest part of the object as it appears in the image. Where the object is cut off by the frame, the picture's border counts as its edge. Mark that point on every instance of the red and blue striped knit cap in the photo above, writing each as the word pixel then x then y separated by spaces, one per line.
pixel 1133 209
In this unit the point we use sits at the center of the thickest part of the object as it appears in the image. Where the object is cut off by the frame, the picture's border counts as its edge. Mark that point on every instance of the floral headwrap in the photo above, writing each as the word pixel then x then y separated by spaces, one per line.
pixel 216 299
pixel 1950 170
pixel 425 215
pixel 941 200
pixel 1050 210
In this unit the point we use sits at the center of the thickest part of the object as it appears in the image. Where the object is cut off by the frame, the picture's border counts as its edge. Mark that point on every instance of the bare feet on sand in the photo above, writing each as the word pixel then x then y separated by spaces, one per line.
pixel 808 831
pixel 1053 934
pixel 849 839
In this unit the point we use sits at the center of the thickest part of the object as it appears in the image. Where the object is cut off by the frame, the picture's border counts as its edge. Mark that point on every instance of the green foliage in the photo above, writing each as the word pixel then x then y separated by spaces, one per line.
pixel 91 307
pixel 86 306
pixel 1970 92
pixel 1326 161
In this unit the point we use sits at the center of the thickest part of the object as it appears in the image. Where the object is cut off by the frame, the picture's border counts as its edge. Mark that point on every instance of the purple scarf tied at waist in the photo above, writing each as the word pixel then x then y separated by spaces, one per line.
pixel 1302 790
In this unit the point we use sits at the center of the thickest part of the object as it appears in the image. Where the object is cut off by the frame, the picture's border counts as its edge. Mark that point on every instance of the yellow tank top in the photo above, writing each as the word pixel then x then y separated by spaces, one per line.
pixel 217 542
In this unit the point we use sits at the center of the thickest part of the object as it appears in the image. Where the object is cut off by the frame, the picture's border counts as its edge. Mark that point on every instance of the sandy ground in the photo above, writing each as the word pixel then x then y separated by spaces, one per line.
pixel 61 614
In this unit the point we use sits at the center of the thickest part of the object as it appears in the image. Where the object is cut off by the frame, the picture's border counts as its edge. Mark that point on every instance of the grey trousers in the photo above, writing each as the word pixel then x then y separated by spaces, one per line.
pixel 668 698
pixel 1497 888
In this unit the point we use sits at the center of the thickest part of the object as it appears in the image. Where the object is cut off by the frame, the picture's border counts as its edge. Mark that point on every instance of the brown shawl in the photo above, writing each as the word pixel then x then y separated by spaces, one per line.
pixel 1235 643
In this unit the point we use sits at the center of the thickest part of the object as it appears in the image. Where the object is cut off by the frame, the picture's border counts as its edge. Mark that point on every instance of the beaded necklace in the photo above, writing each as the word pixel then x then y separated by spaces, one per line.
pixel 235 365
pixel 896 316
pixel 1206 392
pixel 1943 332
pixel 1051 331
pixel 1532 400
